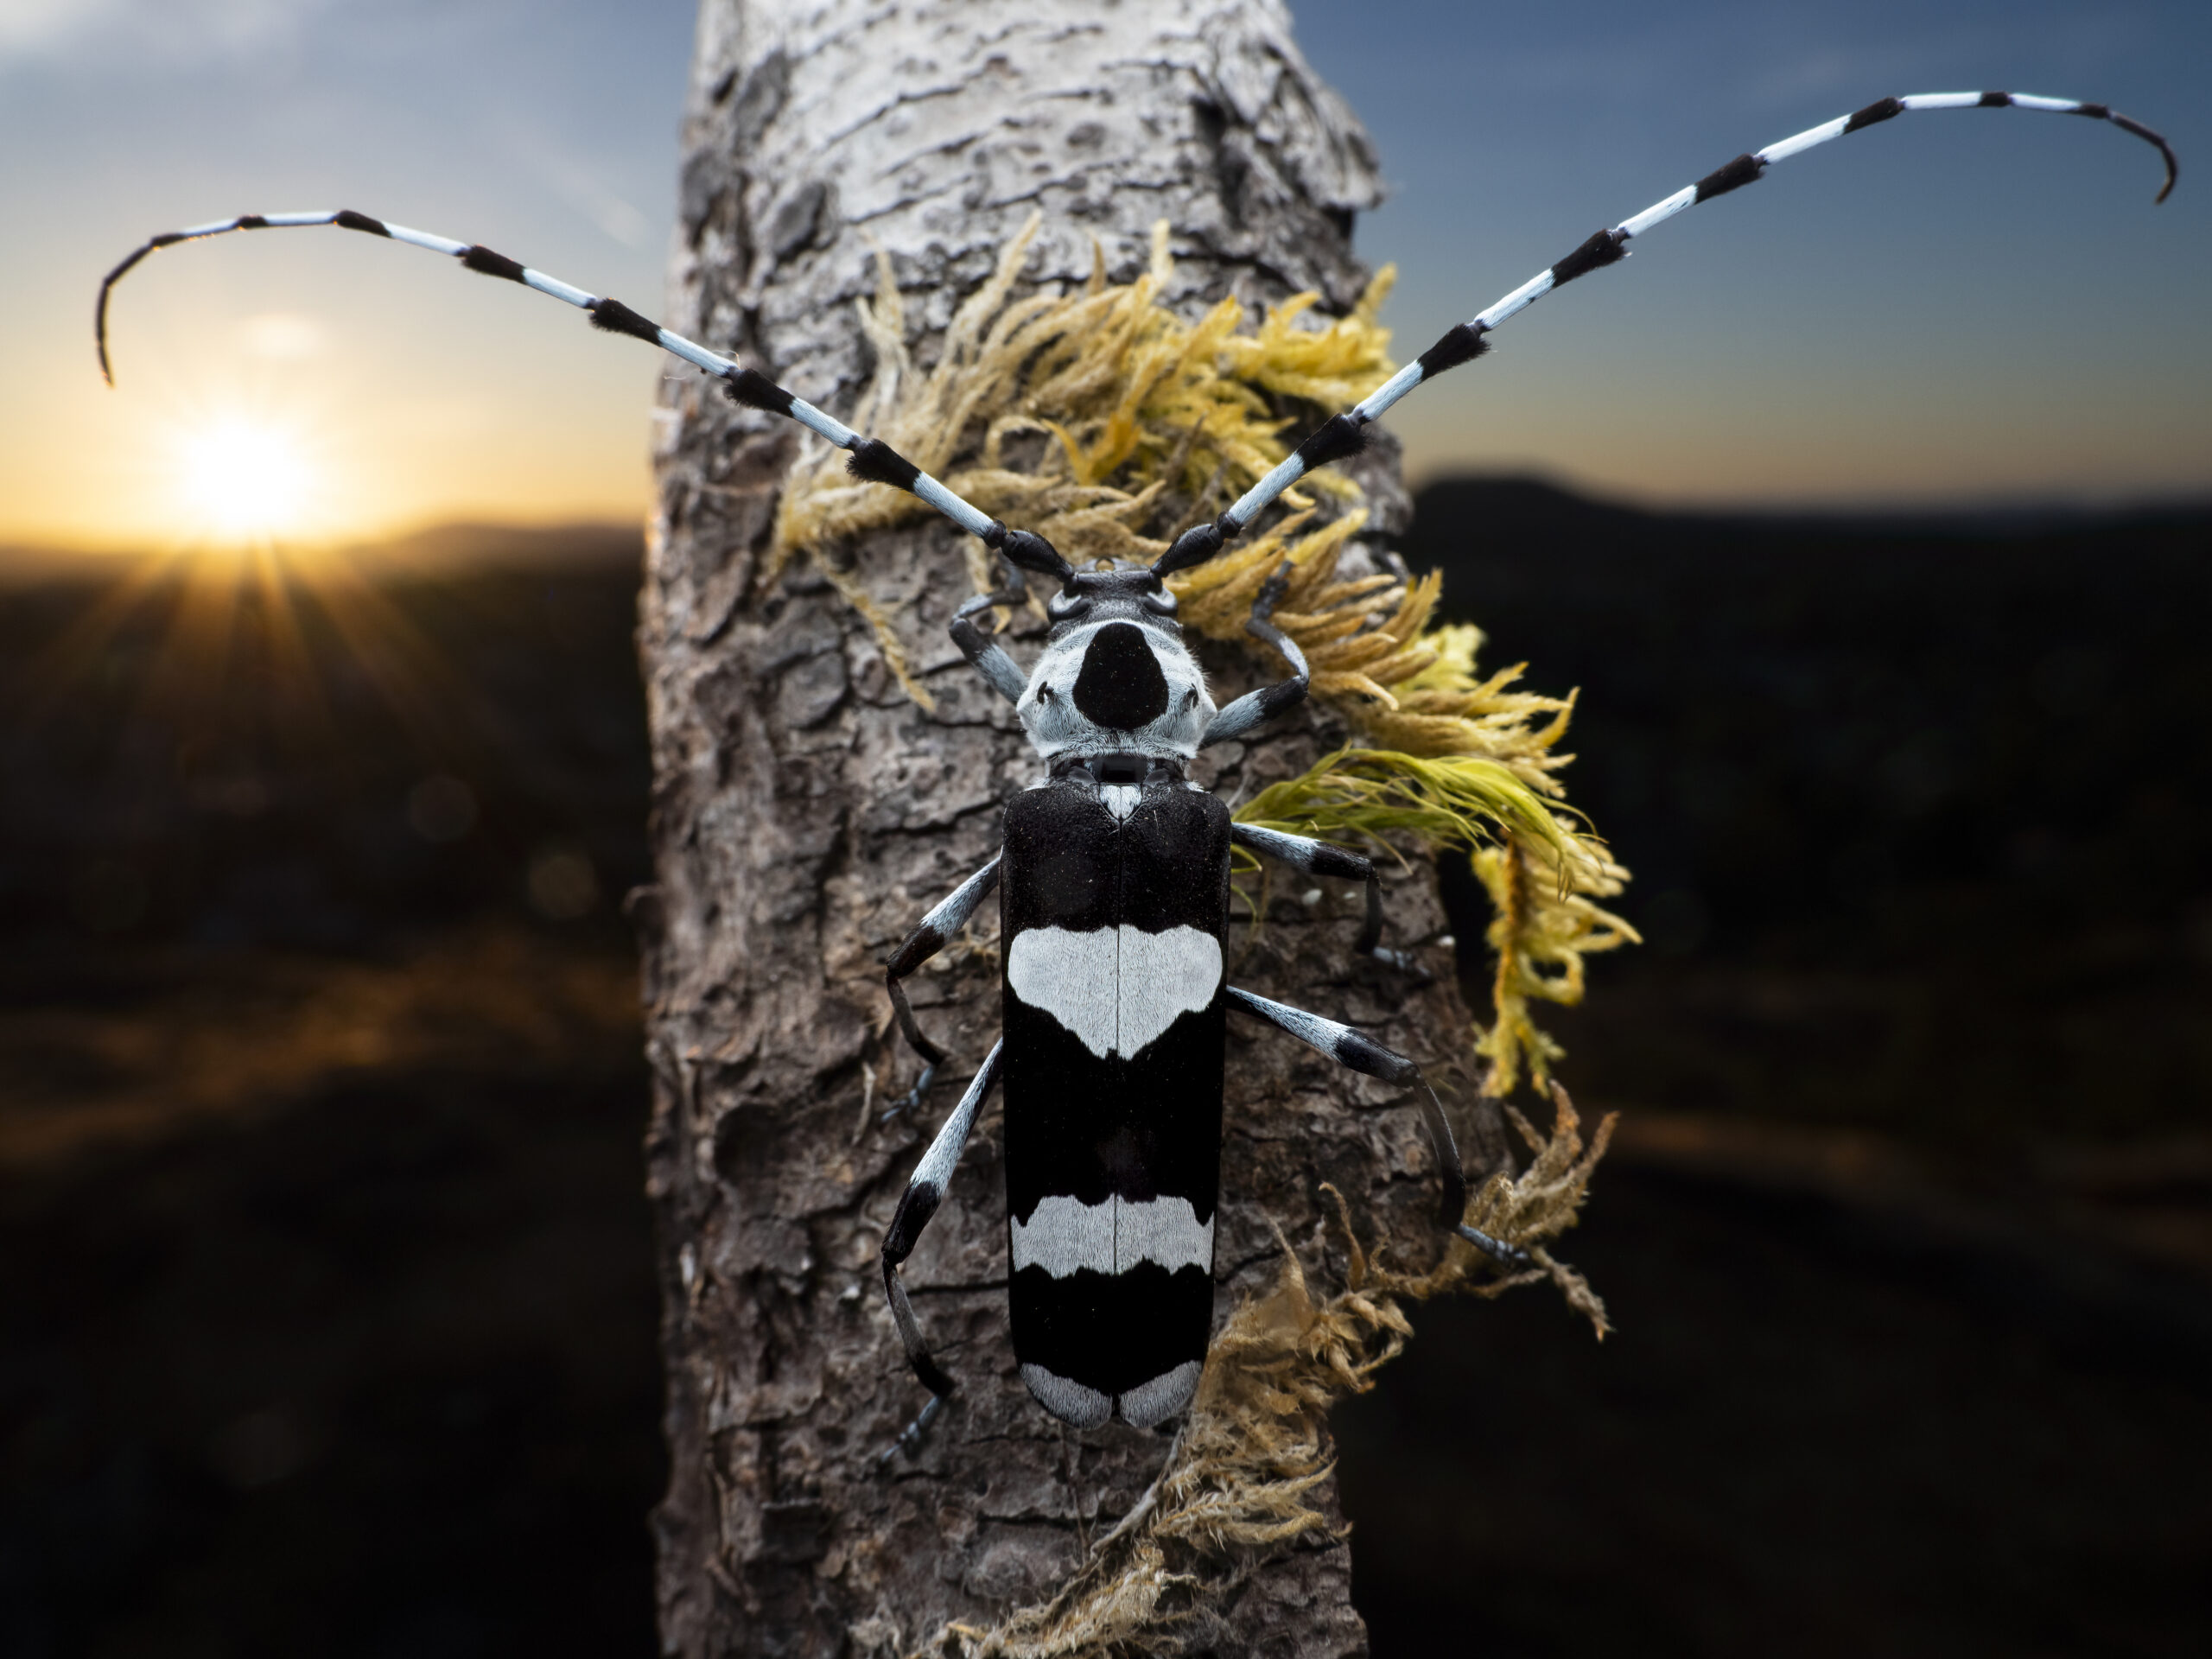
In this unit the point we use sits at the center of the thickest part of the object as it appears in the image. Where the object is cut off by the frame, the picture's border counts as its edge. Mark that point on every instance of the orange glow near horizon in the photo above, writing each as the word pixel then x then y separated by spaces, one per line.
pixel 251 637
pixel 286 432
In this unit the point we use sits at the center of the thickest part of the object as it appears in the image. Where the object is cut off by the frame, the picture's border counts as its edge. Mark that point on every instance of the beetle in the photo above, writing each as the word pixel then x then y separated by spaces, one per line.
pixel 1114 880
pixel 1113 871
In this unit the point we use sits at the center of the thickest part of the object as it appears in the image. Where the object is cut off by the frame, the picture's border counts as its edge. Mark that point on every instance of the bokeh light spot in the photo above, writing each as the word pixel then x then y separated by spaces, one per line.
pixel 562 884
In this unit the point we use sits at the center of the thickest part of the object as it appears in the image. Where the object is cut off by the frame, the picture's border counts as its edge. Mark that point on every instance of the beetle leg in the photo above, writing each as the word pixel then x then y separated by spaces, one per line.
pixel 924 1193
pixel 1254 707
pixel 1312 857
pixel 950 916
pixel 987 656
pixel 1351 1048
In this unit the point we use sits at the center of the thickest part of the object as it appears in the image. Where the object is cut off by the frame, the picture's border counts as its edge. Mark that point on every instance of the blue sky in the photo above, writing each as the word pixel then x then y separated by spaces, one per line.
pixel 1954 307
pixel 1969 306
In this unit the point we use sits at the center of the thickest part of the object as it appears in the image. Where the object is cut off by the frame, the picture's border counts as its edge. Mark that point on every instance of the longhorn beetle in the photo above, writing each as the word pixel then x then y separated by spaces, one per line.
pixel 1114 869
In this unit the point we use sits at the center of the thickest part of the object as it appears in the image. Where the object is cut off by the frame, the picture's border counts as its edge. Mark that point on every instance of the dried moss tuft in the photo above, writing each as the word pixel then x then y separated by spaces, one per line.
pixel 1236 1482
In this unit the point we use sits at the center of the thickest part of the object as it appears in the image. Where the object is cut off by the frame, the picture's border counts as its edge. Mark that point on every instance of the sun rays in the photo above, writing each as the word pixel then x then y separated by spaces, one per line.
pixel 232 656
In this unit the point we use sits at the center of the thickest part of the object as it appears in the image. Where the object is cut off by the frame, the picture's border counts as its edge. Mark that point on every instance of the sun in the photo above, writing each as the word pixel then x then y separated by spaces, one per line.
pixel 244 480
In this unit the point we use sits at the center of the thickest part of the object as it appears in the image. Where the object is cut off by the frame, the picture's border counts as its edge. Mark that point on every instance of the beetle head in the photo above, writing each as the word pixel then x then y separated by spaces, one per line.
pixel 1115 677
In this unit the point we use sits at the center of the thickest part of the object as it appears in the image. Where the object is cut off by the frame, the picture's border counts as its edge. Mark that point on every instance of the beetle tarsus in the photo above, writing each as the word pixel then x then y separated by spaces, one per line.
pixel 912 1098
pixel 911 1437
pixel 1511 1257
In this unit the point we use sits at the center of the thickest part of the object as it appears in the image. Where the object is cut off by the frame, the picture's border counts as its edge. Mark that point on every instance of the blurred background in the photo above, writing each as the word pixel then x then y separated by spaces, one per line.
pixel 1871 512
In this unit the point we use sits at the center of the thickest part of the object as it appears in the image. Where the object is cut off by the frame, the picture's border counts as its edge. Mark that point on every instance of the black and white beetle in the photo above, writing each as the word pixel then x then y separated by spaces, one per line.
pixel 1113 873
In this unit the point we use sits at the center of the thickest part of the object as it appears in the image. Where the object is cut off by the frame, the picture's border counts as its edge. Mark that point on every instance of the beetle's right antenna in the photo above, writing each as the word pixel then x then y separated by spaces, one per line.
pixel 1344 436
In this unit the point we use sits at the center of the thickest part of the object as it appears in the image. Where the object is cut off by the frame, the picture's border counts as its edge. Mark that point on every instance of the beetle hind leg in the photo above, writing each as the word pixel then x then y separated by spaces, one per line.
pixel 924 1193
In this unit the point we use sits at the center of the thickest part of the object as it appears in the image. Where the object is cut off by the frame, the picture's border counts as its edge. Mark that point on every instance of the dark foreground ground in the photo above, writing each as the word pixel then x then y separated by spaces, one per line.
pixel 327 1311
pixel 361 1358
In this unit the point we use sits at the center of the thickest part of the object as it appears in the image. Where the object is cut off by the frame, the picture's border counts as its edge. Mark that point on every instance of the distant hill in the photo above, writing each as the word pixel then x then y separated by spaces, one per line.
pixel 289 765
pixel 453 548
pixel 1920 808
pixel 1525 508
pixel 448 550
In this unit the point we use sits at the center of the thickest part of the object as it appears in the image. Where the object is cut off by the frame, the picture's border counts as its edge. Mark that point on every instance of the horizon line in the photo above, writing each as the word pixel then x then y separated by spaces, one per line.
pixel 18 555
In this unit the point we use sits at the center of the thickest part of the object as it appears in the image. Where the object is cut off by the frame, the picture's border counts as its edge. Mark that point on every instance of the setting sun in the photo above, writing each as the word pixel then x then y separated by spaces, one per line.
pixel 244 480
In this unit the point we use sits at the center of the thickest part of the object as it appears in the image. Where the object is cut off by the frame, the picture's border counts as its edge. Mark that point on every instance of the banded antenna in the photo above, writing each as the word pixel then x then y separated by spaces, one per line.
pixel 1337 438
pixel 1344 436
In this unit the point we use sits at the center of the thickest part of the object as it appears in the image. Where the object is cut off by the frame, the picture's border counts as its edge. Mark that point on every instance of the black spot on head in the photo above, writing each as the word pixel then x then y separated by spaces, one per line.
pixel 1120 685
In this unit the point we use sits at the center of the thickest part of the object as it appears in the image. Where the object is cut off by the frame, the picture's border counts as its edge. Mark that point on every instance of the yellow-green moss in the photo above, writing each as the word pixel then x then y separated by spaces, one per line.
pixel 1104 421
pixel 1131 422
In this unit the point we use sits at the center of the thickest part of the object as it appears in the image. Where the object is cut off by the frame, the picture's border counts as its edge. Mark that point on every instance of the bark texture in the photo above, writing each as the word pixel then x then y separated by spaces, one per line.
pixel 805 815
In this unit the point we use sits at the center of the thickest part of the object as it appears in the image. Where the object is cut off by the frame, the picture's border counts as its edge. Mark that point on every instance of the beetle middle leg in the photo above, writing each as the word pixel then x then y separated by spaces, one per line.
pixel 1351 1047
pixel 924 1191
pixel 947 919
pixel 1312 857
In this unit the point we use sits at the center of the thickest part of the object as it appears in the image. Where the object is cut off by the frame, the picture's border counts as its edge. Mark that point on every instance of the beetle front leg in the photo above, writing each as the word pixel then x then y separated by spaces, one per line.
pixel 1254 708
pixel 983 652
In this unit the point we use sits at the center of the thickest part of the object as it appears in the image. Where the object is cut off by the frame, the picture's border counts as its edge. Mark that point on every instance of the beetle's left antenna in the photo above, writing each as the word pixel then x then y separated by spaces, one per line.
pixel 869 459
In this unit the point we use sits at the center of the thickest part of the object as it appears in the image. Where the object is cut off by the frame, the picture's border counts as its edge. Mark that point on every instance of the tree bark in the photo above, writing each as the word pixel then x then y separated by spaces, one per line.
pixel 805 814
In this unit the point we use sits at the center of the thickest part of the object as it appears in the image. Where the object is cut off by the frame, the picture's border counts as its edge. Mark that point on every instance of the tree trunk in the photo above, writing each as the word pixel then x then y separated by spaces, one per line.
pixel 806 813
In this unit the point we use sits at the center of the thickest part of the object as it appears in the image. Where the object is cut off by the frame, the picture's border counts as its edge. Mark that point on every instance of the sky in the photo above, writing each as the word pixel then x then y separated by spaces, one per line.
pixel 1972 309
